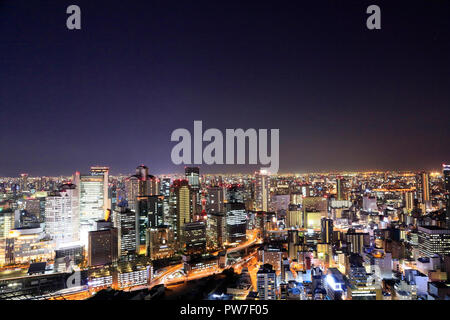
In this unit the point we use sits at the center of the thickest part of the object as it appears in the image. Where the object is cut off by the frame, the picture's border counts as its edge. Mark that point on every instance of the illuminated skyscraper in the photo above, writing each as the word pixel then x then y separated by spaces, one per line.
pixel 62 216
pixel 103 248
pixel 194 235
pixel 409 201
pixel 235 215
pixel 446 172
pixel 180 206
pixel 140 184
pixel 160 242
pixel 149 210
pixel 262 195
pixel 126 222
pixel 294 217
pixel 193 177
pixel 216 230
pixel 340 193
pixel 434 240
pixel 357 241
pixel 327 230
pixel 294 243
pixel 423 187
pixel 94 201
pixel 104 173
pixel 165 191
pixel 215 200
pixel 7 218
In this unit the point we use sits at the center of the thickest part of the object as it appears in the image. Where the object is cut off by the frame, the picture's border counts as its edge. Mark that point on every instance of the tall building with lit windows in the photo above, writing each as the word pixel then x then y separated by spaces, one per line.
pixel 103 248
pixel 193 177
pixel 327 230
pixel 6 225
pixel 235 215
pixel 149 210
pixel 180 206
pixel 94 198
pixel 140 184
pixel 340 192
pixel 62 216
pixel 409 201
pixel 262 191
pixel 160 242
pixel 423 190
pixel 216 230
pixel 165 191
pixel 126 222
pixel 215 200
pixel 266 283
pixel 294 217
pixel 194 235
pixel 446 172
pixel 433 240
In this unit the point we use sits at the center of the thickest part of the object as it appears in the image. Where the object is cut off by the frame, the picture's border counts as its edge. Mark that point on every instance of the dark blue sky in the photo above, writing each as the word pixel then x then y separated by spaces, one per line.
pixel 342 96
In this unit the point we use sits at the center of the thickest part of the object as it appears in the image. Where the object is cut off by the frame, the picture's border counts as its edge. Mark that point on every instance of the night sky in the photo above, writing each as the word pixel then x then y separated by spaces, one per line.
pixel 344 97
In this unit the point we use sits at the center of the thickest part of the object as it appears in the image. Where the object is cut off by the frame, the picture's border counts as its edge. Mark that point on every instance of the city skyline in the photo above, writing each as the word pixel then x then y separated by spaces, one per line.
pixel 180 172
pixel 344 97
pixel 377 236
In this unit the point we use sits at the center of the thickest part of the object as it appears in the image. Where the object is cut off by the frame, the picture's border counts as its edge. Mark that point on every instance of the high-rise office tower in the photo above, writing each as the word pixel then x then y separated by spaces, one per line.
pixel 140 184
pixel 194 235
pixel 409 201
pixel 149 210
pixel 215 200
pixel 155 211
pixel 126 222
pixel 165 191
pixel 340 192
pixel 327 230
pixel 446 172
pixel 262 191
pixel 235 215
pixel 165 187
pixel 434 240
pixel 193 177
pixel 62 216
pixel 180 195
pixel 293 243
pixel 357 241
pixel 266 282
pixel 216 230
pixel 160 242
pixel 294 217
pixel 7 219
pixel 94 201
pixel 36 206
pixel 103 247
pixel 104 173
pixel 423 187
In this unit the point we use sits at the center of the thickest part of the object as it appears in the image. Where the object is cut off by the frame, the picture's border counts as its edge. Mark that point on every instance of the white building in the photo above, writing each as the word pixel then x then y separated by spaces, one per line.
pixel 62 216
